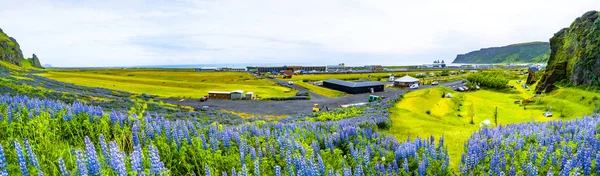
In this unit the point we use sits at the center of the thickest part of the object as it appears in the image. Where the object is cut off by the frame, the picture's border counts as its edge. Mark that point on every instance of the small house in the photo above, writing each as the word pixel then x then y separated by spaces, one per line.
pixel 219 95
pixel 249 95
pixel 237 94
pixel 405 81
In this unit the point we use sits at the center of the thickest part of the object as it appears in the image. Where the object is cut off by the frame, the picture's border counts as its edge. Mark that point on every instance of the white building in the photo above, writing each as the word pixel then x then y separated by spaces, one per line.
pixel 237 94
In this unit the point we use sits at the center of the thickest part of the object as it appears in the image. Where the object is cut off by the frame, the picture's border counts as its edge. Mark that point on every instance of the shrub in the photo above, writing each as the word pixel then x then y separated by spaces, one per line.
pixel 497 80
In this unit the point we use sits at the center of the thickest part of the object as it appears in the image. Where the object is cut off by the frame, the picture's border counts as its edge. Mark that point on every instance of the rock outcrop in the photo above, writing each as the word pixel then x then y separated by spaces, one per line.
pixel 10 50
pixel 35 62
pixel 575 54
pixel 533 52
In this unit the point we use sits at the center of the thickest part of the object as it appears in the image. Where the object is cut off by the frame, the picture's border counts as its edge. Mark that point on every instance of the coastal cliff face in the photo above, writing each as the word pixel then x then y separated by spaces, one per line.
pixel 575 54
pixel 533 52
pixel 10 50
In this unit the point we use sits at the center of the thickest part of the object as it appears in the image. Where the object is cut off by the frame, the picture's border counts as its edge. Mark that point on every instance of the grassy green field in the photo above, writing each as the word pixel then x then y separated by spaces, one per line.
pixel 451 117
pixel 170 82
pixel 321 90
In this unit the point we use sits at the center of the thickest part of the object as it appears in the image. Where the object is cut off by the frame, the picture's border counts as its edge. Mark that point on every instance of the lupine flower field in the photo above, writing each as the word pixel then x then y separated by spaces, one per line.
pixel 53 138
pixel 551 148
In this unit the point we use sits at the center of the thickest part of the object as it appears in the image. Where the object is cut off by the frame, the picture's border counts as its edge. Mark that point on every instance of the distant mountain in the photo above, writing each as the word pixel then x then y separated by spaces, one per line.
pixel 47 66
pixel 575 56
pixel 9 49
pixel 533 52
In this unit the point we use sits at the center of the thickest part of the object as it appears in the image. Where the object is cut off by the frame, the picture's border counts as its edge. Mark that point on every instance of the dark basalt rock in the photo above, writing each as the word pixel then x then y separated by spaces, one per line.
pixel 575 54
pixel 10 50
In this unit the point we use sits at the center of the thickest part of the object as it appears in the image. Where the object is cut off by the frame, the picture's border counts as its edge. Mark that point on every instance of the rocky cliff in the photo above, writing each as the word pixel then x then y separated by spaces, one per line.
pixel 575 54
pixel 35 61
pixel 533 52
pixel 9 49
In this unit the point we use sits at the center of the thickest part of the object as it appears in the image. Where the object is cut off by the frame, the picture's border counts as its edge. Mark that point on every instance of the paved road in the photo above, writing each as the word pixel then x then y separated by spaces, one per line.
pixel 294 106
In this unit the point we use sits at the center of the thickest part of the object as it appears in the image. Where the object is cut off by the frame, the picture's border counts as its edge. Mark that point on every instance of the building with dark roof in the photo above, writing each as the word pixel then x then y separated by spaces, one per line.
pixel 354 87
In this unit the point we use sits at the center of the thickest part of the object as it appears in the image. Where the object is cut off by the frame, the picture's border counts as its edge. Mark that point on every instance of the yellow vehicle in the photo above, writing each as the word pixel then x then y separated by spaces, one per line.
pixel 316 108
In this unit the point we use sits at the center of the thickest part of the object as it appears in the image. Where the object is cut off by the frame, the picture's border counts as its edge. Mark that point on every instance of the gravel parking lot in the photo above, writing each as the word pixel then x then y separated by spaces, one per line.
pixel 292 107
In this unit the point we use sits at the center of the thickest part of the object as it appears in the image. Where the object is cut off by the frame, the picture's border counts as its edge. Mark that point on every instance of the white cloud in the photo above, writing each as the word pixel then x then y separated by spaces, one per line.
pixel 118 33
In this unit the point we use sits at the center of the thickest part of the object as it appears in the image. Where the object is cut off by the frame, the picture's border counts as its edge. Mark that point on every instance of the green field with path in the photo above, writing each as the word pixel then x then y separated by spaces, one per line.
pixel 451 117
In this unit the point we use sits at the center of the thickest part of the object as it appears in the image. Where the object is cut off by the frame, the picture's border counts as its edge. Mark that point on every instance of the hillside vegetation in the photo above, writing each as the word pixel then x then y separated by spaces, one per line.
pixel 533 52
pixel 575 56
pixel 10 50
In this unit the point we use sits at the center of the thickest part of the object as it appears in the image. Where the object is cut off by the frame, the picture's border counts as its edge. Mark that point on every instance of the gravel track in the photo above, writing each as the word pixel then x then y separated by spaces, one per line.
pixel 292 107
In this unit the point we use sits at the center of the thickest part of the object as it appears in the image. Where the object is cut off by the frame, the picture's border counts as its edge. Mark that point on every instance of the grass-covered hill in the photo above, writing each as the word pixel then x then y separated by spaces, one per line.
pixel 10 52
pixel 9 49
pixel 533 52
pixel 575 56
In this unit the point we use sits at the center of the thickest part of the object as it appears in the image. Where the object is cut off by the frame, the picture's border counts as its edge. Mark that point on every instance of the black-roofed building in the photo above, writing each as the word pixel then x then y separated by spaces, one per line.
pixel 354 87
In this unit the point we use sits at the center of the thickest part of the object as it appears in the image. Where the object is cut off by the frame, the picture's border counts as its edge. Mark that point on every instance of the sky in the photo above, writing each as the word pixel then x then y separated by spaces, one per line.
pixel 94 33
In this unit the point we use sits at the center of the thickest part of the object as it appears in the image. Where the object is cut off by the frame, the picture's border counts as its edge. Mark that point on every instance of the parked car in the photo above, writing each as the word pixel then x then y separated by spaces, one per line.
pixel 290 83
pixel 465 88
pixel 414 86
pixel 460 89
pixel 435 83
pixel 203 99
pixel 547 114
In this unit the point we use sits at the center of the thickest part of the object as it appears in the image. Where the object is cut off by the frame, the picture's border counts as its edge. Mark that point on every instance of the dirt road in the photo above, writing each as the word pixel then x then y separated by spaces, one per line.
pixel 293 106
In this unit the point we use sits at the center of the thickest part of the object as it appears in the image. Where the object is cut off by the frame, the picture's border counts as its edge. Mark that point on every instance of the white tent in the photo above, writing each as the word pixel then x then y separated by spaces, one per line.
pixel 406 79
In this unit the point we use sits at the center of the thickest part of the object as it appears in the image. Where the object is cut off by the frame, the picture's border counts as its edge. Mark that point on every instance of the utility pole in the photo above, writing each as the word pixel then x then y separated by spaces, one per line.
pixel 496 116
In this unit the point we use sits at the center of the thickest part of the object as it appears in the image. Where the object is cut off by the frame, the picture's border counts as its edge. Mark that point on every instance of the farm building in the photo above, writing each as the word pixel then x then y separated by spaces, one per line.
pixel 219 95
pixel 353 87
pixel 293 68
pixel 237 94
pixel 232 69
pixel 249 95
pixel 336 68
pixel 405 81
pixel 206 69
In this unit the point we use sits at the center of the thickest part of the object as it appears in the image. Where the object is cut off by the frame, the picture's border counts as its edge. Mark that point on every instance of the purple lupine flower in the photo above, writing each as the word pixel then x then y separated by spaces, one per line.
pixel 206 169
pixel 31 156
pixel 156 166
pixel 105 150
pixel 62 167
pixel 136 160
pixel 233 173
pixel 405 166
pixel 277 171
pixel 256 168
pixel 117 162
pixel 81 166
pixel 21 158
pixel 135 138
pixel 3 164
pixel 244 171
pixel 92 159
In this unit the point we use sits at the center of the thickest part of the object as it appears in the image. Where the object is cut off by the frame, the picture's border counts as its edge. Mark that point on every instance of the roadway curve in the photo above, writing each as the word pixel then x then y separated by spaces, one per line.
pixel 293 106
